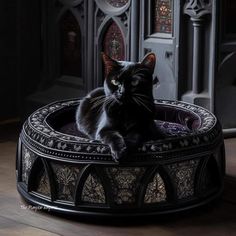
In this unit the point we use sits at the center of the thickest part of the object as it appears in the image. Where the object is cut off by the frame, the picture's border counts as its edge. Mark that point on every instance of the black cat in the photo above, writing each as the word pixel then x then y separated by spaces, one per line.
pixel 121 114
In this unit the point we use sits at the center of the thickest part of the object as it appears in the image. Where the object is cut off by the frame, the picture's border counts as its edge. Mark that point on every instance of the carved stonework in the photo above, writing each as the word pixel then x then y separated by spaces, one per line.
pixel 125 19
pixel 100 18
pixel 197 8
pixel 80 9
pixel 117 3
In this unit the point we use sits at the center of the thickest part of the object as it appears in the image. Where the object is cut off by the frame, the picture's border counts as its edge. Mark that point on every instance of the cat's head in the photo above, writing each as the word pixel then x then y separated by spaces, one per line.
pixel 129 81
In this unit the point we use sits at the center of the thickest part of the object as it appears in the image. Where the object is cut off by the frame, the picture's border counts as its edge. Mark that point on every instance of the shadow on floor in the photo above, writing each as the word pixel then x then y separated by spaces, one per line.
pixel 217 212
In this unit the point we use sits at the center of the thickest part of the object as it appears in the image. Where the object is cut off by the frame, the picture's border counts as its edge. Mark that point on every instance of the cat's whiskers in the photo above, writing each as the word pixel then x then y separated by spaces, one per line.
pixel 145 99
pixel 141 102
pixel 111 104
pixel 98 103
pixel 135 100
pixel 142 95
pixel 100 109
pixel 108 101
pixel 97 98
pixel 102 102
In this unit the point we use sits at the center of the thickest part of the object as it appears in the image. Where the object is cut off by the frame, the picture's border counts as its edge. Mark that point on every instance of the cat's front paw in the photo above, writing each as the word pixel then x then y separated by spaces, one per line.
pixel 119 155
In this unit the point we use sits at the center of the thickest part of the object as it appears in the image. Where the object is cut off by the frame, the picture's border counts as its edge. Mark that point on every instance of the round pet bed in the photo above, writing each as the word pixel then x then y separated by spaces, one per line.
pixel 59 168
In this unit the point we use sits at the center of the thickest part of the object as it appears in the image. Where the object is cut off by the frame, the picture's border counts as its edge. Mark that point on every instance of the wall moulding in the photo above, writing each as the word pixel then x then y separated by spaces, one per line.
pixel 197 10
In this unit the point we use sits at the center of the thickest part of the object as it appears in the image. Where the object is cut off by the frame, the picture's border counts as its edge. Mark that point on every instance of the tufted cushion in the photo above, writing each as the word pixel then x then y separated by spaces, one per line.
pixel 171 122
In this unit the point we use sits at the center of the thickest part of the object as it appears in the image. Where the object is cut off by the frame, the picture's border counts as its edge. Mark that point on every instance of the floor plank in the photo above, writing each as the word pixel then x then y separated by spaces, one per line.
pixel 230 152
pixel 11 228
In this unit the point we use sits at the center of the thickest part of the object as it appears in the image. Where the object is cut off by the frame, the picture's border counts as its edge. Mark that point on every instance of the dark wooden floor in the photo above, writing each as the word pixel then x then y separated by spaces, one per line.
pixel 17 219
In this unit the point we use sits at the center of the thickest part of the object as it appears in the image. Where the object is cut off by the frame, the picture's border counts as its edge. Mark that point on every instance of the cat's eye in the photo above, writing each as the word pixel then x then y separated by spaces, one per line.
pixel 115 82
pixel 135 82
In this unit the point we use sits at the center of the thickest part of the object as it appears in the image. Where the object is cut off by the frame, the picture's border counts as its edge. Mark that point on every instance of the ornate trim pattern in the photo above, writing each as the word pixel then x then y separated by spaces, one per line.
pixel 40 135
pixel 197 8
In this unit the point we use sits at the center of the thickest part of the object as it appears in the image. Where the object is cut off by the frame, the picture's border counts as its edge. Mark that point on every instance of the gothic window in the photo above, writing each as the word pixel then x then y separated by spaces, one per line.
pixel 162 16
pixel 71 62
pixel 113 42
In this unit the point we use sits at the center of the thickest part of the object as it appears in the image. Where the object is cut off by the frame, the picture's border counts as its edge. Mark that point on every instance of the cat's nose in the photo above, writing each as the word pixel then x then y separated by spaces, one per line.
pixel 121 90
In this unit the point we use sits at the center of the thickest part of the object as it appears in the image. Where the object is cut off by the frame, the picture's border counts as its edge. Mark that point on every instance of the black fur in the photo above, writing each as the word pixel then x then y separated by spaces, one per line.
pixel 121 114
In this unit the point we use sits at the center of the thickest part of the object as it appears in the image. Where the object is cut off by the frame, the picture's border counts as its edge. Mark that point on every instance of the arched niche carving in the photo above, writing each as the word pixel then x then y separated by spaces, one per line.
pixel 70 45
pixel 113 42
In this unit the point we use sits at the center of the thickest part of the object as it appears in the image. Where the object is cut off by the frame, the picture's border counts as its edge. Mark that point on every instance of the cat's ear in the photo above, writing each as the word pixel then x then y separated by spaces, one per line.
pixel 150 61
pixel 109 63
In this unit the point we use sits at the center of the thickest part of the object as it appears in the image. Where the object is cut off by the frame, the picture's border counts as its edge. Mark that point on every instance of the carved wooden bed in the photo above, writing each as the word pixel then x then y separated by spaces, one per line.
pixel 61 169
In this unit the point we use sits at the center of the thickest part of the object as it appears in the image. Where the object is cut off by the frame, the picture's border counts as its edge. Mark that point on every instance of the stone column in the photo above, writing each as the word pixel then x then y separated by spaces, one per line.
pixel 134 46
pixel 197 10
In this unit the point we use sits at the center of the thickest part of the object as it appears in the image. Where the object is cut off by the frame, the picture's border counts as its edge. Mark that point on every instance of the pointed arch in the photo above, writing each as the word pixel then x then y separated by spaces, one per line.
pixel 113 43
pixel 70 45
pixel 211 178
pixel 28 160
pixel 157 187
pixel 39 181
pixel 90 188
pixel 183 175
pixel 66 178
pixel 156 190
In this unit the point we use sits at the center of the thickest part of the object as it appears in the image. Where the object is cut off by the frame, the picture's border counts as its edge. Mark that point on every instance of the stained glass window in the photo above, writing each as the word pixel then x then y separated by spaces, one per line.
pixel 113 42
pixel 117 3
pixel 70 46
pixel 162 16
